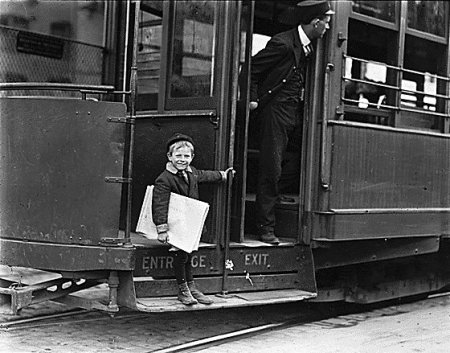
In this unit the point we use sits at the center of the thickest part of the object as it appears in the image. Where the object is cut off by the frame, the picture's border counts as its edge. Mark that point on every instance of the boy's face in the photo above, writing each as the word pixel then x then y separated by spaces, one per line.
pixel 181 157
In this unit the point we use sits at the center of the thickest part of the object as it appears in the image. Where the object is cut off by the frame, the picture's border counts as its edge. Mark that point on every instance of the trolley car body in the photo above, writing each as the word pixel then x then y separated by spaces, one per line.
pixel 371 217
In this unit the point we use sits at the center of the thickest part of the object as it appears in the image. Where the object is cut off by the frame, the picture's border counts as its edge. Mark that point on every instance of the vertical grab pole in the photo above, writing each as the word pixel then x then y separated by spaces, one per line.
pixel 227 233
pixel 132 121
pixel 324 167
pixel 125 56
pixel 233 110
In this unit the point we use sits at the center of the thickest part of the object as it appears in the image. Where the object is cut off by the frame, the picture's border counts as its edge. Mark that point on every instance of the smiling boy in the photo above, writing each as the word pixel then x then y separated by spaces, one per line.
pixel 183 179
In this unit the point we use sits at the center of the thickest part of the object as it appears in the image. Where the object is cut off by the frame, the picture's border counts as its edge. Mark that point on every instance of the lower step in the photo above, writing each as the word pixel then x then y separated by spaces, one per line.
pixel 148 287
pixel 165 304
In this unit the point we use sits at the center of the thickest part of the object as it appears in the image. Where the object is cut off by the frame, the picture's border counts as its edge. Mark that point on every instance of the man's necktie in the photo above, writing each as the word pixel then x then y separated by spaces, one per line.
pixel 308 49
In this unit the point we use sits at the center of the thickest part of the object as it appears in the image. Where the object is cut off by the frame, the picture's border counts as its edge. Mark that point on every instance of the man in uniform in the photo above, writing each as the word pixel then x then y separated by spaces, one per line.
pixel 277 90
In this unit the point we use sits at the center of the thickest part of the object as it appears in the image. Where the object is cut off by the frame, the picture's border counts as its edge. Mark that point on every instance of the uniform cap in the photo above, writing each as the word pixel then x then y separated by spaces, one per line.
pixel 311 9
pixel 178 137
pixel 303 12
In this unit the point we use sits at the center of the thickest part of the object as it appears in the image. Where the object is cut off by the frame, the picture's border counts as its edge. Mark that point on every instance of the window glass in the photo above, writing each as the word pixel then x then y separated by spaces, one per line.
pixel 149 54
pixel 427 16
pixel 368 76
pixel 193 49
pixel 427 61
pixel 77 20
pixel 52 41
pixel 383 10
pixel 368 93
pixel 426 83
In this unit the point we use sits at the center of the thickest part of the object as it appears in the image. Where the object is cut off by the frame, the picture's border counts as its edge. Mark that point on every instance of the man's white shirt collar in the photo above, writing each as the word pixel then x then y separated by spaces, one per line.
pixel 303 37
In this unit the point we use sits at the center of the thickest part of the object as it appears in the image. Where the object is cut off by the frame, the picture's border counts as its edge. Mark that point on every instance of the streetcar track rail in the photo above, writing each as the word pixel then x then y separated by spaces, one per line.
pixel 377 309
pixel 40 321
pixel 234 335
pixel 42 317
pixel 330 316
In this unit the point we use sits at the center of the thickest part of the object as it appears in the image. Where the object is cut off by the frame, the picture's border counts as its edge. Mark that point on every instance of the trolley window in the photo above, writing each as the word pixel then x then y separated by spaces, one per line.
pixel 369 73
pixel 408 88
pixel 52 41
pixel 383 10
pixel 427 16
pixel 149 54
pixel 192 60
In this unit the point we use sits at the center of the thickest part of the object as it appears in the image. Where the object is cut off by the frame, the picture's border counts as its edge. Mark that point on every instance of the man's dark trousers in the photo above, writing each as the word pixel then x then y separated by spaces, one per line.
pixel 281 122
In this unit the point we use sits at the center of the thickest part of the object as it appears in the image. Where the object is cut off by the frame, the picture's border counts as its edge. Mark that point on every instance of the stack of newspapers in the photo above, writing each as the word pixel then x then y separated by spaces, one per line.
pixel 186 218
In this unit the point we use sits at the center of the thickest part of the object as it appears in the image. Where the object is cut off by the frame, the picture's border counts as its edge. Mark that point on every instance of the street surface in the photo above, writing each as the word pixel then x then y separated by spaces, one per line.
pixel 422 326
pixel 408 327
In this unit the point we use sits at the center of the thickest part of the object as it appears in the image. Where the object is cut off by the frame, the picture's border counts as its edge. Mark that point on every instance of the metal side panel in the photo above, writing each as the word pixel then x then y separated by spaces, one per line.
pixel 65 257
pixel 55 154
pixel 385 183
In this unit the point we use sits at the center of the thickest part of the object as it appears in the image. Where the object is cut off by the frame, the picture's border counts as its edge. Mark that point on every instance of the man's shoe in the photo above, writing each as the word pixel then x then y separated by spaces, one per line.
pixel 285 199
pixel 270 238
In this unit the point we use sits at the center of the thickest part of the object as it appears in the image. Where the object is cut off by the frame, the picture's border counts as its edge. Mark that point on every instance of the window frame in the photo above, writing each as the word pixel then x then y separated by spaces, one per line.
pixel 429 36
pixel 402 31
pixel 163 54
pixel 379 22
pixel 190 103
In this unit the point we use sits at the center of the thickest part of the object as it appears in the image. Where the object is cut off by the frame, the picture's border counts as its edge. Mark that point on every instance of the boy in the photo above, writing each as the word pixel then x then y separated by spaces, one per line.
pixel 181 178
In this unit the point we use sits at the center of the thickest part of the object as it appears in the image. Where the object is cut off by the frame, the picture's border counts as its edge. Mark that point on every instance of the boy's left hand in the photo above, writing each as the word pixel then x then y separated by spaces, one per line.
pixel 163 237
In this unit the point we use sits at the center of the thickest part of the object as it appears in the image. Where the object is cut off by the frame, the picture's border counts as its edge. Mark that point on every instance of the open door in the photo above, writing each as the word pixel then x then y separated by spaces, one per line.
pixel 258 23
pixel 242 123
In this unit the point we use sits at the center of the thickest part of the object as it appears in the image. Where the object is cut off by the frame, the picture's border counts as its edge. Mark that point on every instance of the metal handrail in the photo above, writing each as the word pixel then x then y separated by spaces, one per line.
pixel 370 104
pixel 370 61
pixel 131 127
pixel 395 88
pixel 435 95
pixel 324 170
pixel 6 86
pixel 398 68
pixel 403 108
pixel 371 83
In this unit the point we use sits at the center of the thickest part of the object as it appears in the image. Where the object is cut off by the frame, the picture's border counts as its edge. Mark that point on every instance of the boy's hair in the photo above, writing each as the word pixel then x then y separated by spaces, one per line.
pixel 178 144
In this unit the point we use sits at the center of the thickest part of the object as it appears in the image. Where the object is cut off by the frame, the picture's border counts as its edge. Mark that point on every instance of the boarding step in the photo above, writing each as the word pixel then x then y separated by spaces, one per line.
pixel 146 287
pixel 165 304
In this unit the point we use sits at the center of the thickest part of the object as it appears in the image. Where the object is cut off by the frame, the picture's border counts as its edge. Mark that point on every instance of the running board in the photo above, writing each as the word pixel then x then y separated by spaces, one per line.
pixel 233 300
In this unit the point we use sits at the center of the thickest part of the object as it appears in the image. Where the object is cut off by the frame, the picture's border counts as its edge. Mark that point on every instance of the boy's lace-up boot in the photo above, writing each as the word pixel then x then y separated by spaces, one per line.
pixel 184 295
pixel 201 298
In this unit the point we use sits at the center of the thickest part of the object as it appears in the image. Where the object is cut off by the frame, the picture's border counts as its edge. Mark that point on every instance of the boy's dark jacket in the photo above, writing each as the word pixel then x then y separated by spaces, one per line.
pixel 169 181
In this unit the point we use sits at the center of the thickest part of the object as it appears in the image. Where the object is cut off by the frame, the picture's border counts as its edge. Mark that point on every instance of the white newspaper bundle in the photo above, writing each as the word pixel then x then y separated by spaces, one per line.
pixel 186 218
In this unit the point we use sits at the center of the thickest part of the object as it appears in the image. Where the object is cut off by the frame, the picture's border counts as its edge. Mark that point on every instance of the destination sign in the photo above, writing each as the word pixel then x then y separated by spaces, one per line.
pixel 39 44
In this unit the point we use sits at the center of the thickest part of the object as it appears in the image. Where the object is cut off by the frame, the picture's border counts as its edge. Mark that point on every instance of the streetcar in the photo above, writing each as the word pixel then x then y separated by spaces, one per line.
pixel 91 90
